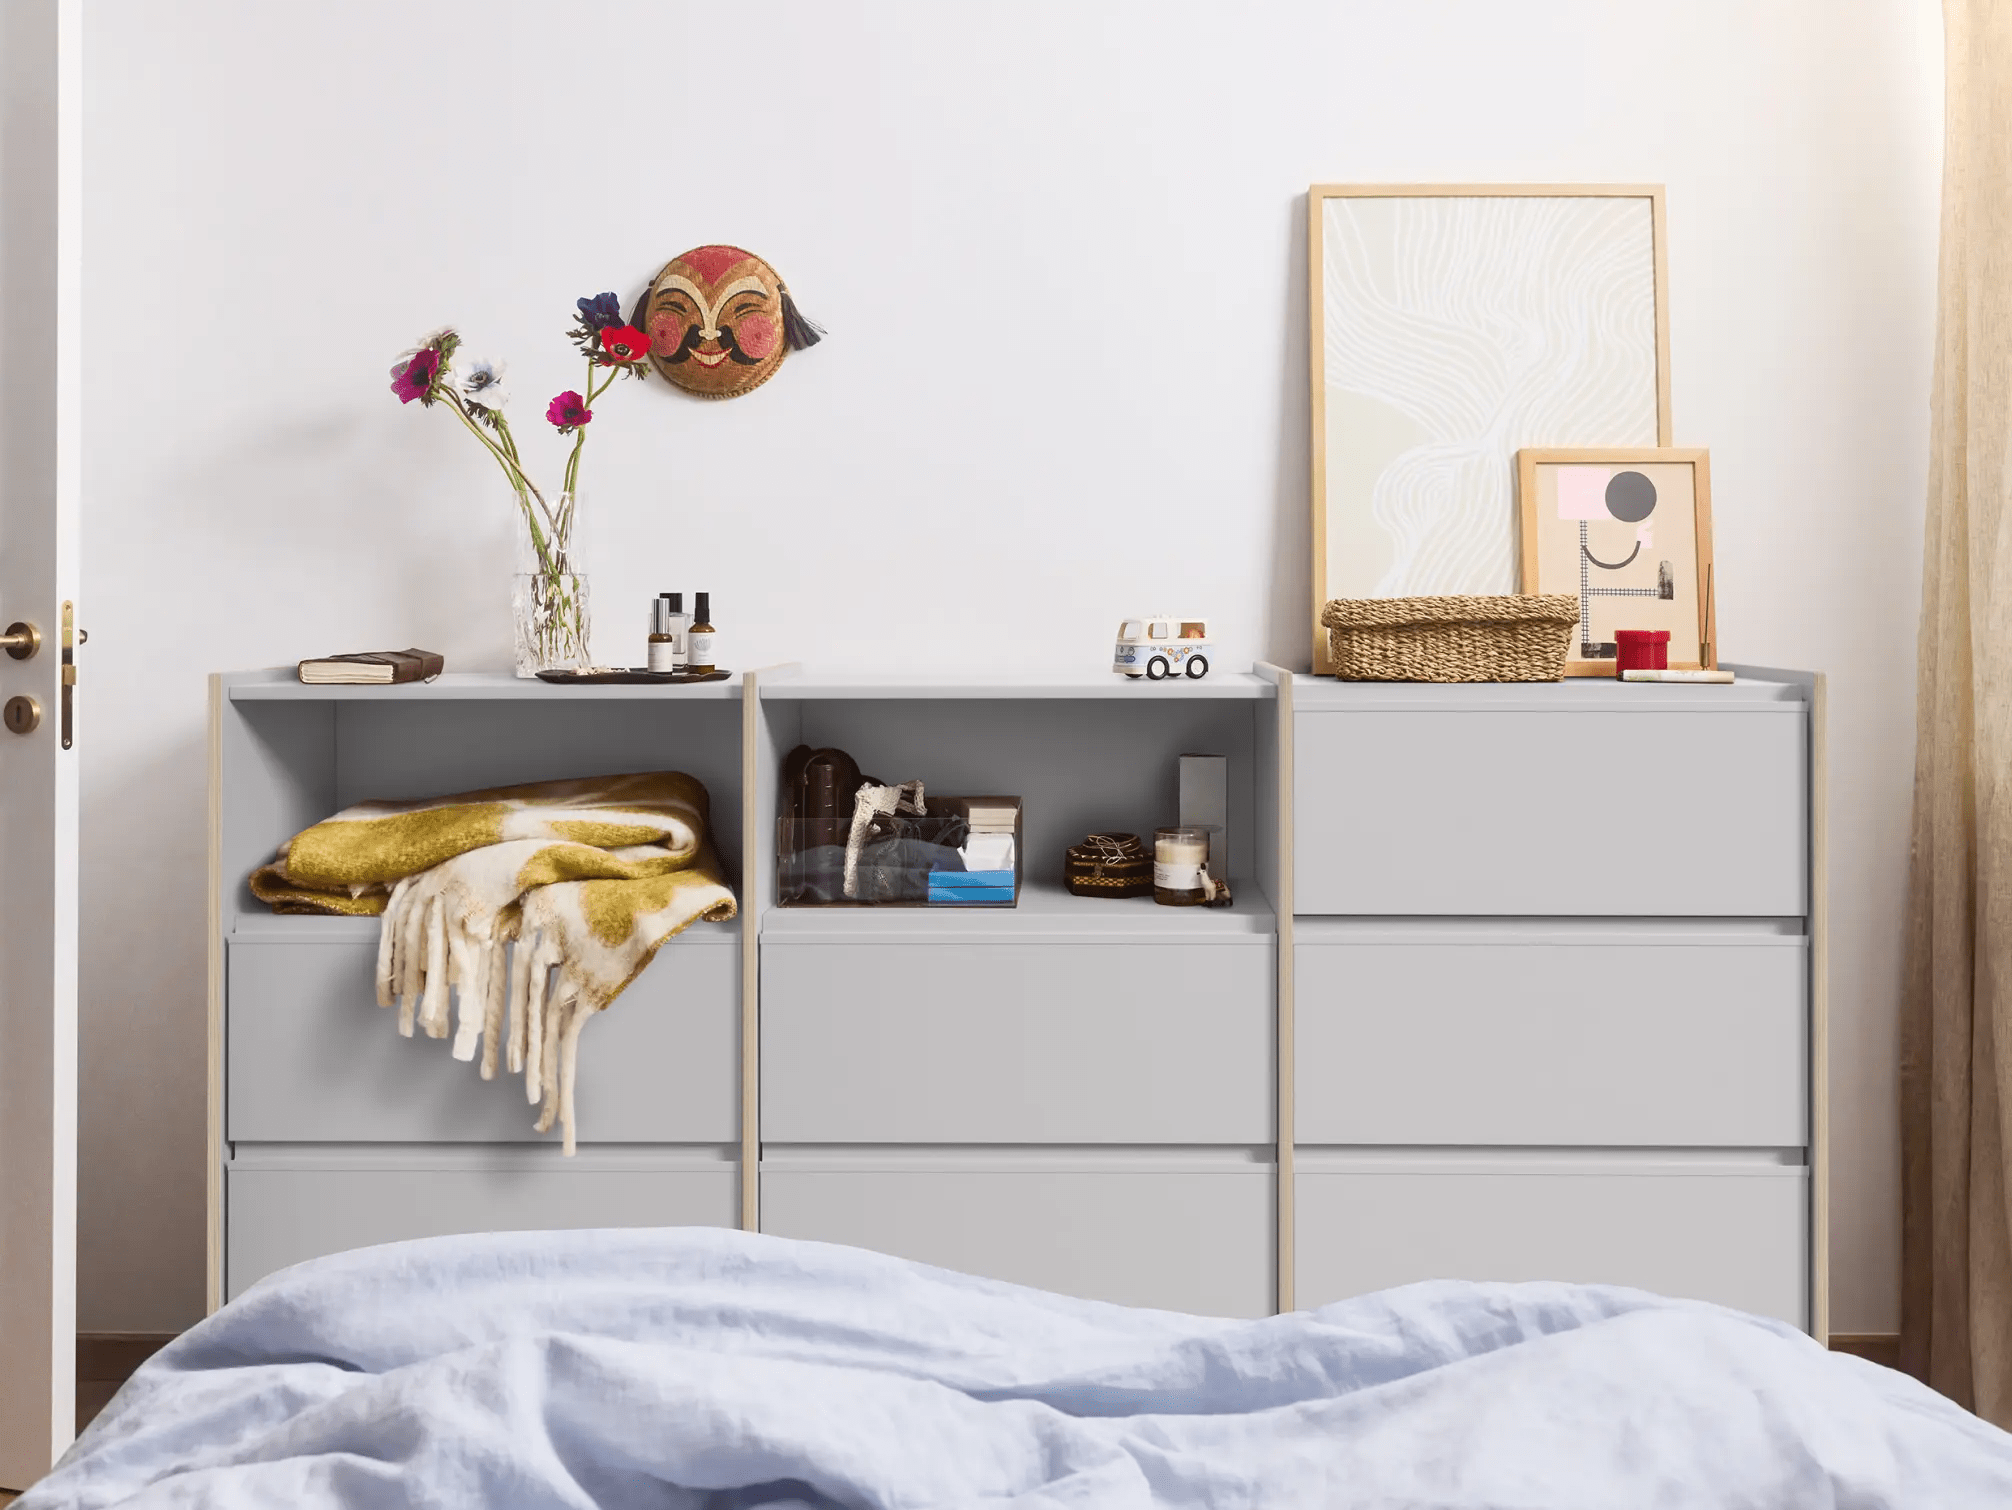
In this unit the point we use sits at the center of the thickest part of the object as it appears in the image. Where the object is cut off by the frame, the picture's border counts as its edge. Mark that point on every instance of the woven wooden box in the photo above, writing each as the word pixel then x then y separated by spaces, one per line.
pixel 1109 865
pixel 1454 639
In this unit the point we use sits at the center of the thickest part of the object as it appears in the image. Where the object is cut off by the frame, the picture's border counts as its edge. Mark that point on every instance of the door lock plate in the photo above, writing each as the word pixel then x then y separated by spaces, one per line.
pixel 23 715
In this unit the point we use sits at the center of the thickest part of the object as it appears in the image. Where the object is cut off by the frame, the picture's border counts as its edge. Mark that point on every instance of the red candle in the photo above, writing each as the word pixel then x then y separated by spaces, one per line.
pixel 1641 650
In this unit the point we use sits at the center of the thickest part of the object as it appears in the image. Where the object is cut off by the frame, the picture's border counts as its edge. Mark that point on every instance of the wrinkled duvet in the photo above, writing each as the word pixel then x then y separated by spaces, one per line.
pixel 704 1368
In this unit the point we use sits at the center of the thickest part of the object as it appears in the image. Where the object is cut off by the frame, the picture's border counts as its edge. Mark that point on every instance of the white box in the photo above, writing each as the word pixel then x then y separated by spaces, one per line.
pixel 1205 803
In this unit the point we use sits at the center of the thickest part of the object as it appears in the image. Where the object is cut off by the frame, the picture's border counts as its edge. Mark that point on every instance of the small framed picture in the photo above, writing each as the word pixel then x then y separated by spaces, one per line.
pixel 1628 530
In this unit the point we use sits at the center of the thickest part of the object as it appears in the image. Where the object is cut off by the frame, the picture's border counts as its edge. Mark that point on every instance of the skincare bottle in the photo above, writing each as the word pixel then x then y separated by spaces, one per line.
pixel 699 639
pixel 679 625
pixel 663 640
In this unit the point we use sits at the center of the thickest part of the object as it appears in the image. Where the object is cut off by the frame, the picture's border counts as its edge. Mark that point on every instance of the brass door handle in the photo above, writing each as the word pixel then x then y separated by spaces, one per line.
pixel 21 640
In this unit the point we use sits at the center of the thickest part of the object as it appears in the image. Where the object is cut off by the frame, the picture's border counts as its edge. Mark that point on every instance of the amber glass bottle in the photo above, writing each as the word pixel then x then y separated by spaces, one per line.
pixel 699 638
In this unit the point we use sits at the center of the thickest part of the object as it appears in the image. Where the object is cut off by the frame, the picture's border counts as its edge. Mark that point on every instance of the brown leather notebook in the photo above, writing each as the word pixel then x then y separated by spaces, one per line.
pixel 373 666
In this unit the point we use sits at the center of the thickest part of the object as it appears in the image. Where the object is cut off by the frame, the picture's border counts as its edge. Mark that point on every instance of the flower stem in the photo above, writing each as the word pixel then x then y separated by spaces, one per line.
pixel 512 469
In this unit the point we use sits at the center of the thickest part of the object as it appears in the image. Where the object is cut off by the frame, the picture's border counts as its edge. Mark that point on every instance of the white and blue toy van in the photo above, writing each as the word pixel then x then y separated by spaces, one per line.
pixel 1161 647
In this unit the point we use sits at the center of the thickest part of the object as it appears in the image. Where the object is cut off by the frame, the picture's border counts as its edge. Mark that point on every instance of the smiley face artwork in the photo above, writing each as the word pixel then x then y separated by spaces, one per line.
pixel 720 321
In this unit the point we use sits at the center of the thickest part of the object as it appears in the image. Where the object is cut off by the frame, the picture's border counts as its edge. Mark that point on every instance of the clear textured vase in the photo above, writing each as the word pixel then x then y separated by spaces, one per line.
pixel 549 606
pixel 551 615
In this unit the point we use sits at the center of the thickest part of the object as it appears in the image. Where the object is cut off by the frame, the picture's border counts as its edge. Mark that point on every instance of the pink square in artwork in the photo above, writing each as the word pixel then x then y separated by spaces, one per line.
pixel 1582 492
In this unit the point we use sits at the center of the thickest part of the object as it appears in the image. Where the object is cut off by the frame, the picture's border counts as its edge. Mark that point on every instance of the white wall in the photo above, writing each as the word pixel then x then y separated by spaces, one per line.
pixel 1060 250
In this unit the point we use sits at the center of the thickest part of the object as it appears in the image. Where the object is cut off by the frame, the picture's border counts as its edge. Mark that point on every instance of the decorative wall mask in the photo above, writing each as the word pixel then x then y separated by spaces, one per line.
pixel 720 321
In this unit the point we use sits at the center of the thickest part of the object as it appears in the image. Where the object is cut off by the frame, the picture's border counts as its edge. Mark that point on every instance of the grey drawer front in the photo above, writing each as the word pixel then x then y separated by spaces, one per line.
pixel 1512 813
pixel 313 1058
pixel 282 1216
pixel 1179 1241
pixel 1738 1239
pixel 1680 1044
pixel 1017 1043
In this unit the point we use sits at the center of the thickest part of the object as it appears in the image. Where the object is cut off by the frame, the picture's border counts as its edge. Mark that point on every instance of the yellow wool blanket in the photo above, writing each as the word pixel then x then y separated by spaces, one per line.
pixel 585 878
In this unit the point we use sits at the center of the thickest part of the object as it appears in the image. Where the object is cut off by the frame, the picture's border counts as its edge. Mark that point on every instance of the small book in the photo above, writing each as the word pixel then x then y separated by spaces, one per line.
pixel 991 817
pixel 989 894
pixel 372 666
pixel 1720 677
pixel 970 880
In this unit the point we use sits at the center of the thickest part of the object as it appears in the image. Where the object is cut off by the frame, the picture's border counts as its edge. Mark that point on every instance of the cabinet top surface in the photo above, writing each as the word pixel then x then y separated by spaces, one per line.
pixel 797 683
pixel 282 684
pixel 1755 688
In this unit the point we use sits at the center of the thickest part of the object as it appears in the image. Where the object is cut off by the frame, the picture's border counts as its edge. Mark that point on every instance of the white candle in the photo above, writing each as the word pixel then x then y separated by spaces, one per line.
pixel 1180 859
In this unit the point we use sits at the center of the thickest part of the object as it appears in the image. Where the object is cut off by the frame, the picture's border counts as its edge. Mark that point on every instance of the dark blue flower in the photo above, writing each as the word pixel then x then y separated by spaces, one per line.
pixel 601 311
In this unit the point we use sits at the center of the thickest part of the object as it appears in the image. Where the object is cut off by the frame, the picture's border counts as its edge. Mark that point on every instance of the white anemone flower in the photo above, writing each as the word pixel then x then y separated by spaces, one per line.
pixel 481 382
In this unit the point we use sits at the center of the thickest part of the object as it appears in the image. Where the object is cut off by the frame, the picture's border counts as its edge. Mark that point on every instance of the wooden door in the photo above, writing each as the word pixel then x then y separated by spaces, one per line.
pixel 40 732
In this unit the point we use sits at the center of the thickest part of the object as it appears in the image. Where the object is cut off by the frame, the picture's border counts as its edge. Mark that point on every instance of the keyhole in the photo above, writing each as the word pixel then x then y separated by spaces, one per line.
pixel 23 714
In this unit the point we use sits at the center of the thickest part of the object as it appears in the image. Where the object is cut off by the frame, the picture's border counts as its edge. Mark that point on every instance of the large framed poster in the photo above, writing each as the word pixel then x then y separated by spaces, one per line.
pixel 1453 326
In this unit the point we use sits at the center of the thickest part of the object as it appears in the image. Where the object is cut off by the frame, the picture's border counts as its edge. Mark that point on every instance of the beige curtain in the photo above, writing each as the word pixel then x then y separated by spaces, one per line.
pixel 1956 1025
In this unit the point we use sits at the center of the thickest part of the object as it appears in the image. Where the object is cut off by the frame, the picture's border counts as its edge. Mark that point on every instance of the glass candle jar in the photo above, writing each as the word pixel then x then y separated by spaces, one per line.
pixel 1180 866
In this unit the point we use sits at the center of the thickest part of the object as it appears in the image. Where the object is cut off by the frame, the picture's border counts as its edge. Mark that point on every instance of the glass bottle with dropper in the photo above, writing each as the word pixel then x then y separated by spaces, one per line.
pixel 699 639
pixel 663 641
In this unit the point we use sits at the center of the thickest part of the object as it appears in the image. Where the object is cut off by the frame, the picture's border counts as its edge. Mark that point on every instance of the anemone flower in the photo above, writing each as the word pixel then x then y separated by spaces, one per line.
pixel 601 311
pixel 569 412
pixel 415 376
pixel 482 384
pixel 622 344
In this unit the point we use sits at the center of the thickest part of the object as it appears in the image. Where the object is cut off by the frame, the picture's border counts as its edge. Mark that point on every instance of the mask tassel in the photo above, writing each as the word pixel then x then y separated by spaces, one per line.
pixel 798 331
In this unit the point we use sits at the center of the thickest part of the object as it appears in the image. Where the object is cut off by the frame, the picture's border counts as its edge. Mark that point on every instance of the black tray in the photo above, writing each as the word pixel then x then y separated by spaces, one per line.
pixel 630 674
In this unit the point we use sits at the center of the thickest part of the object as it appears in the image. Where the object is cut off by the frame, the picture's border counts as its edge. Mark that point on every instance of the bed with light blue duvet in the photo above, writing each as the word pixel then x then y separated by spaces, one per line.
pixel 704 1368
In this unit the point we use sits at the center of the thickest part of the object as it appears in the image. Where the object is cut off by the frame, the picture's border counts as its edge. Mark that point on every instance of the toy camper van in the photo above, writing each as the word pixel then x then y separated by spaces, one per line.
pixel 1162 647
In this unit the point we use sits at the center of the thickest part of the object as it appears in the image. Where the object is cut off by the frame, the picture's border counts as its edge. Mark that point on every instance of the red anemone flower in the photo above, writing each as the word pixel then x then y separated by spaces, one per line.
pixel 623 343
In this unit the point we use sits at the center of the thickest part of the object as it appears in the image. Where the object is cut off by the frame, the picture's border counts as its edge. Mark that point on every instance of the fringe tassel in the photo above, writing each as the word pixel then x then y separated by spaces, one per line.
pixel 510 995
pixel 433 1005
pixel 467 956
pixel 411 961
pixel 569 1059
pixel 496 982
pixel 534 1023
pixel 387 943
pixel 520 985
pixel 798 331
pixel 557 1008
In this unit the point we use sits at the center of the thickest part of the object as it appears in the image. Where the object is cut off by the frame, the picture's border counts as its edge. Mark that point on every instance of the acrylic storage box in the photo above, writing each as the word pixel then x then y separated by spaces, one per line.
pixel 961 852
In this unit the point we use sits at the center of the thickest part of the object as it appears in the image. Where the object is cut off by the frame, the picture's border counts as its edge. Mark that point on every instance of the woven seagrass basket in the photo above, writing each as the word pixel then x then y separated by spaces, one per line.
pixel 1467 639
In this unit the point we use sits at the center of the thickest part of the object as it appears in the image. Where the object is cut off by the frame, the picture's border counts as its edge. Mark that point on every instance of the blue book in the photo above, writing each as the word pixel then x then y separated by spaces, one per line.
pixel 961 880
pixel 971 894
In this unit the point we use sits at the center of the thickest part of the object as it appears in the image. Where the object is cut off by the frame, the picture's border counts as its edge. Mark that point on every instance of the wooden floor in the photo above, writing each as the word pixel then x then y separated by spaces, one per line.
pixel 105 1360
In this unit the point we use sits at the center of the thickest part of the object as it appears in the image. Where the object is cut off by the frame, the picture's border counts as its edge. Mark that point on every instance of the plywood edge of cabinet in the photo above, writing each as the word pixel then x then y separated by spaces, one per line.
pixel 213 1174
pixel 1282 903
pixel 753 836
pixel 1818 904
pixel 1819 1011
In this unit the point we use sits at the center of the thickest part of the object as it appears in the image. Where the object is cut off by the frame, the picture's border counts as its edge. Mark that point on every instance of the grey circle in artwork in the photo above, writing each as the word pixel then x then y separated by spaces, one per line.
pixel 1631 497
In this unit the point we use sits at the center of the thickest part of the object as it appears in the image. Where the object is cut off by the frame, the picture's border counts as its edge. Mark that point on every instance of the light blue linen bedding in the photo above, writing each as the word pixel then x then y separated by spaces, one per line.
pixel 703 1368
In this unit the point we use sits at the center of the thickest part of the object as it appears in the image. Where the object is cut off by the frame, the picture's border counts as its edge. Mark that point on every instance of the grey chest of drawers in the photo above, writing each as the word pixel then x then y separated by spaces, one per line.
pixel 329 1131
pixel 1520 982
pixel 1554 998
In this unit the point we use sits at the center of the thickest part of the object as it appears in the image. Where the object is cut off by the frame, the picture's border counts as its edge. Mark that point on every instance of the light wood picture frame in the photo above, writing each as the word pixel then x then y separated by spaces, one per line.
pixel 1628 530
pixel 1451 326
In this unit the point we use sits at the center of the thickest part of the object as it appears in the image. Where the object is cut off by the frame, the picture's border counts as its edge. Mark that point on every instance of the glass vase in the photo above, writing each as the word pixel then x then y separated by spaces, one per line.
pixel 549 605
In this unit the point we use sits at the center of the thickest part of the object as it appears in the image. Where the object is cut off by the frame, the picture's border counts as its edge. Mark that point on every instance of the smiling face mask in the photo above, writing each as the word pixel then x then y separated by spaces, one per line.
pixel 720 321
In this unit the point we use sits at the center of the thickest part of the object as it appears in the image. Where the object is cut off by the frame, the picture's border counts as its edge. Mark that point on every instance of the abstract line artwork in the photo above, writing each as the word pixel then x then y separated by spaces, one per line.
pixel 1452 327
pixel 1630 531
